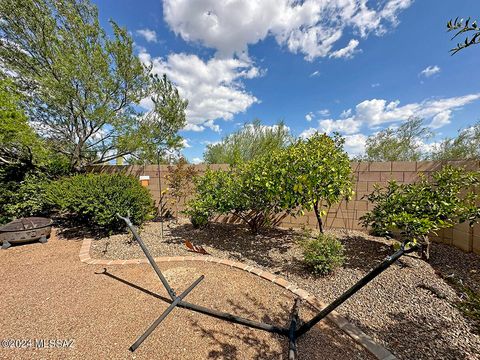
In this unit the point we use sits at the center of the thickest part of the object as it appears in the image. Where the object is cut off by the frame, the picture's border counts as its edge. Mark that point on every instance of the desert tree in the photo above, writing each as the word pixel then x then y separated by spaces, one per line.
pixel 400 144
pixel 83 87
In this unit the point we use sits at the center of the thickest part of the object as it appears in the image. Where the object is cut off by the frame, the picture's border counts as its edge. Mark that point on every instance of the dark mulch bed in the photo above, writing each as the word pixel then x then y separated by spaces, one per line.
pixel 411 308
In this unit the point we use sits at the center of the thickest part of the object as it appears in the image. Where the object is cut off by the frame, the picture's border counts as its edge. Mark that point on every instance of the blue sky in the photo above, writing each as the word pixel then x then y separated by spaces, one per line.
pixel 353 66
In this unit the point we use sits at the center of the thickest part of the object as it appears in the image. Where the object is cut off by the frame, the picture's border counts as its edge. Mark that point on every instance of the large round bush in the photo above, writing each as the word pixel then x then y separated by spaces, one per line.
pixel 97 198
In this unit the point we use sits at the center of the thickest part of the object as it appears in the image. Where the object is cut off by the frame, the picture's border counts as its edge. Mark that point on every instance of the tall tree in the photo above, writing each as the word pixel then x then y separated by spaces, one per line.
pixel 19 145
pixel 401 144
pixel 158 130
pixel 83 85
pixel 465 146
pixel 252 140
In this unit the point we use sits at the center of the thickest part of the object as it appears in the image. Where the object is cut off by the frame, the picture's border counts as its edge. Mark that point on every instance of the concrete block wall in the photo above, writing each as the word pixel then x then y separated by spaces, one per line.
pixel 344 215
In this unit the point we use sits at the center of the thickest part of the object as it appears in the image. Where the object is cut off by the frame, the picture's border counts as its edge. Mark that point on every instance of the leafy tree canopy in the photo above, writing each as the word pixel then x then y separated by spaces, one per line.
pixel 426 206
pixel 252 140
pixel 466 146
pixel 19 145
pixel 83 86
pixel 400 144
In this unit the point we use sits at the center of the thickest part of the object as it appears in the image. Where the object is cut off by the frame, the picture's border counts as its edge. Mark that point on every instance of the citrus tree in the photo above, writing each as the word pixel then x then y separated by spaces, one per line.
pixel 424 207
pixel 316 175
pixel 311 174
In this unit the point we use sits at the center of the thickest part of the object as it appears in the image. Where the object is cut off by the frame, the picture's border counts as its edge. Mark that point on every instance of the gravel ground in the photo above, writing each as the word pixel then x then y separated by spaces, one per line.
pixel 47 293
pixel 409 309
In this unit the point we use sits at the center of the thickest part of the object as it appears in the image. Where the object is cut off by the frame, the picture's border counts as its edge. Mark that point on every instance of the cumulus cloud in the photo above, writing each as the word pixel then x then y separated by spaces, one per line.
pixel 309 116
pixel 214 88
pixel 197 160
pixel 430 71
pixel 348 51
pixel 346 113
pixel 194 127
pixel 346 126
pixel 305 134
pixel 355 144
pixel 147 34
pixel 377 113
pixel 310 27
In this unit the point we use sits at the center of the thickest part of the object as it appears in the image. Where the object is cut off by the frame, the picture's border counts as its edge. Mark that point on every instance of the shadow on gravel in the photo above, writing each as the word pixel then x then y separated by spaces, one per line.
pixel 433 330
pixel 237 240
pixel 455 265
pixel 362 253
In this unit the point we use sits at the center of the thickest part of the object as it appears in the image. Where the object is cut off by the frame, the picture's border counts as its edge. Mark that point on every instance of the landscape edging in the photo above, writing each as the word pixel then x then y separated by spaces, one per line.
pixel 354 332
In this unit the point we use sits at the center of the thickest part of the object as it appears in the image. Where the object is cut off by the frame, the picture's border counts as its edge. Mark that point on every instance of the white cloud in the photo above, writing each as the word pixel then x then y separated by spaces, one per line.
pixel 208 142
pixel 427 148
pixel 213 88
pixel 375 85
pixel 348 51
pixel 197 160
pixel 375 113
pixel 346 126
pixel 185 143
pixel 211 124
pixel 315 73
pixel 309 116
pixel 194 127
pixel 305 134
pixel 323 112
pixel 355 144
pixel 310 27
pixel 430 71
pixel 346 113
pixel 441 119
pixel 147 34
pixel 378 111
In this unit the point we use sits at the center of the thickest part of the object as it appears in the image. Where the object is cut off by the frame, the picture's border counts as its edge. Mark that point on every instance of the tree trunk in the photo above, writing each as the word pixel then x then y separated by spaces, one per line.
pixel 319 218
pixel 426 249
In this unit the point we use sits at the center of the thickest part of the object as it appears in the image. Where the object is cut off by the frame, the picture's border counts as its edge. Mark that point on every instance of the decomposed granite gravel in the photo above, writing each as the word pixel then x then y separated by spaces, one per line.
pixel 48 294
pixel 409 309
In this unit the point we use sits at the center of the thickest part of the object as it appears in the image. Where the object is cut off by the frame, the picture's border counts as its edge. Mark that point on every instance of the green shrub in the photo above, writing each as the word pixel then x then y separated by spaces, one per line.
pixel 95 199
pixel 424 207
pixel 199 213
pixel 30 198
pixel 213 196
pixel 323 254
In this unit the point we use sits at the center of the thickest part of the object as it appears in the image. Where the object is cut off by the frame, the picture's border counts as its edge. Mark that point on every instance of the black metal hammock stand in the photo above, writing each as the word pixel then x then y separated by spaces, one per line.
pixel 293 331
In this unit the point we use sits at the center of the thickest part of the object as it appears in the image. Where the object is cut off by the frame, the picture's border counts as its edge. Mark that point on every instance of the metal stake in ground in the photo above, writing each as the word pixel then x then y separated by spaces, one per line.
pixel 356 287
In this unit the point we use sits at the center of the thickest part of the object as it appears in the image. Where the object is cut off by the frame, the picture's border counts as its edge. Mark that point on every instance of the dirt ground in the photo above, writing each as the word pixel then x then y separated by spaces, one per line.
pixel 79 313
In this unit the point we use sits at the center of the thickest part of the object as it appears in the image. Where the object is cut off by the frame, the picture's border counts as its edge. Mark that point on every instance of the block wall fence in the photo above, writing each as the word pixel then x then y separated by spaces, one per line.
pixel 344 215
